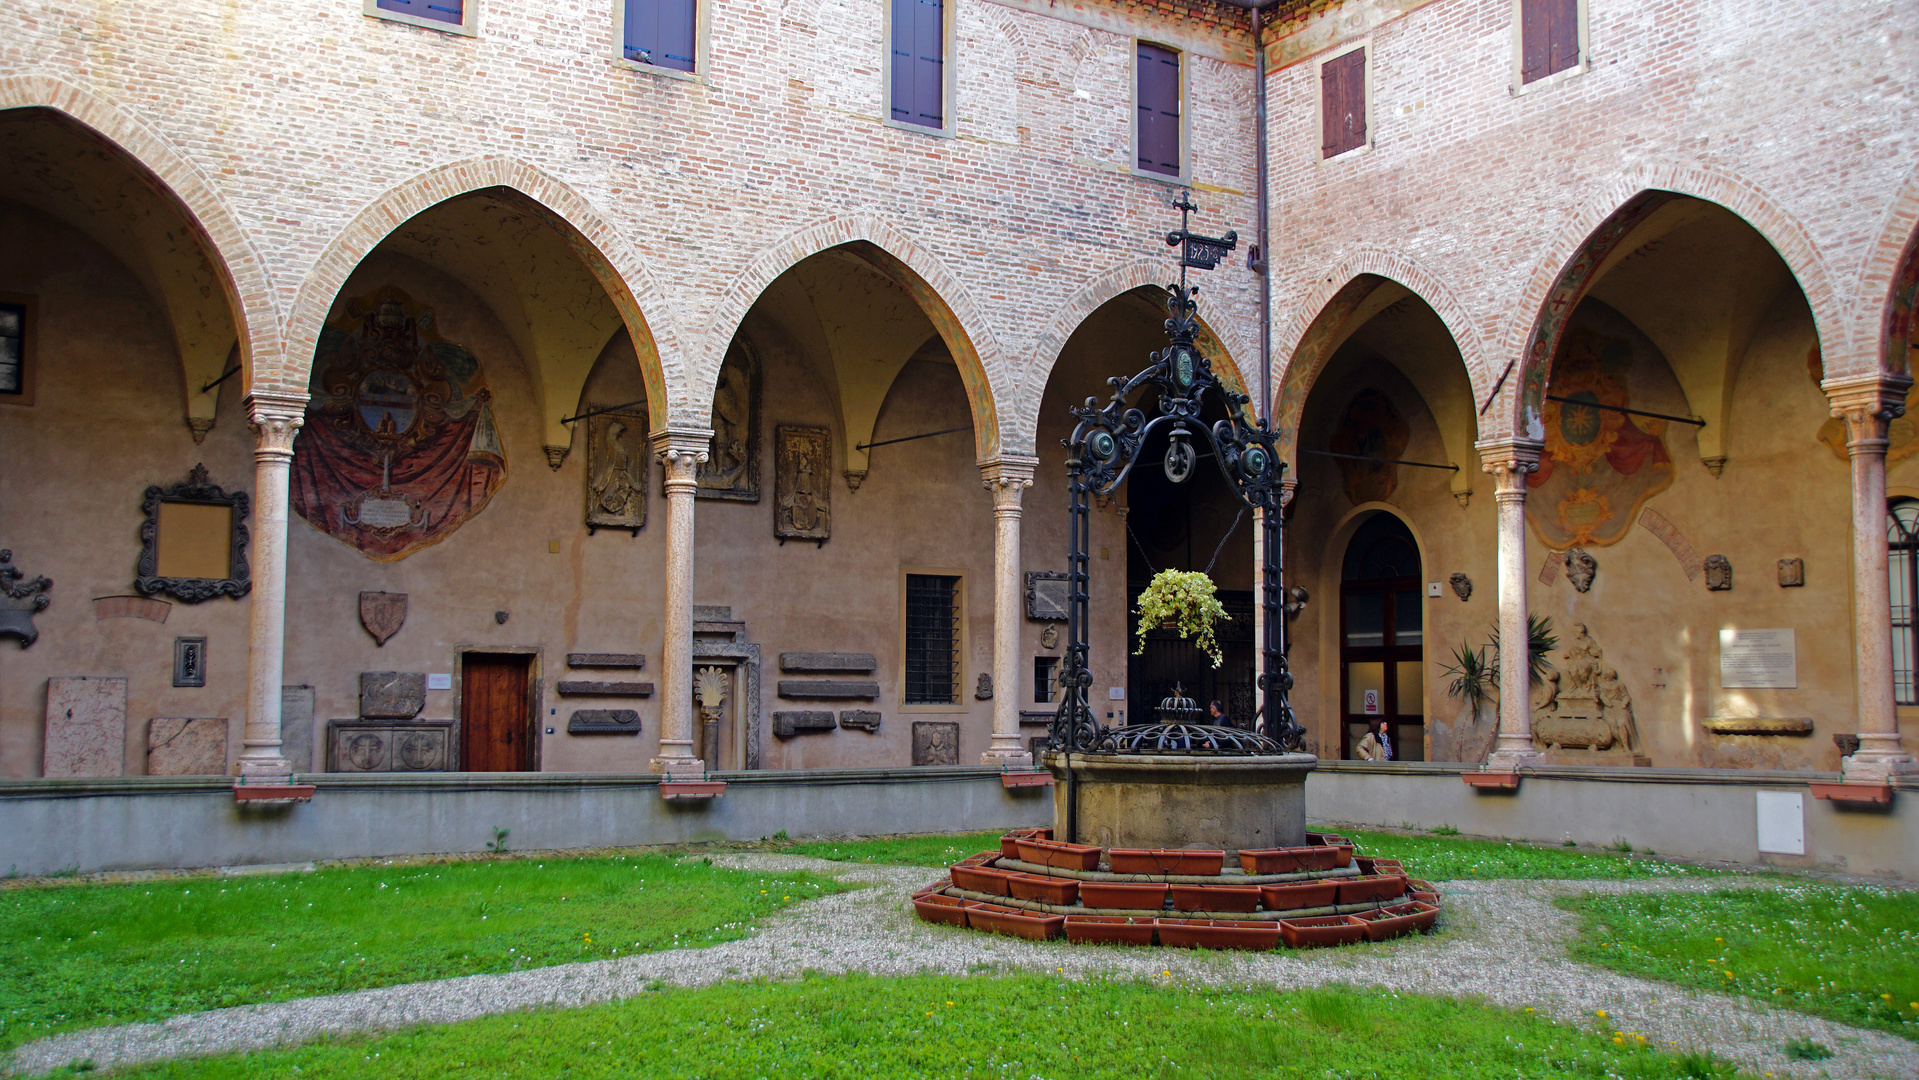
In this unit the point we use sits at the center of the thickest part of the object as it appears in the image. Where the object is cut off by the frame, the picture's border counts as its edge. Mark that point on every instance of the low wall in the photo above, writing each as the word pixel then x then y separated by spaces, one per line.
pixel 1691 813
pixel 137 823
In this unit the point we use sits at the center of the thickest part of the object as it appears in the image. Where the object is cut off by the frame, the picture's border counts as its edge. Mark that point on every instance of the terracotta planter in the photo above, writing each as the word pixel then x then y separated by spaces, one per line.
pixel 1046 890
pixel 1009 844
pixel 1369 890
pixel 1286 860
pixel 1033 926
pixel 984 858
pixel 1217 934
pixel 1342 855
pixel 1167 861
pixel 1322 930
pixel 935 908
pixel 1326 838
pixel 1141 896
pixel 1379 866
pixel 981 879
pixel 1423 891
pixel 1304 894
pixel 1054 853
pixel 1423 914
pixel 1109 930
pixel 1215 897
pixel 1398 920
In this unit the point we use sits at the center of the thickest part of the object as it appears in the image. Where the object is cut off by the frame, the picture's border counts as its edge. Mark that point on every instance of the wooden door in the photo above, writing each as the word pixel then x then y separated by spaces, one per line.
pixel 495 717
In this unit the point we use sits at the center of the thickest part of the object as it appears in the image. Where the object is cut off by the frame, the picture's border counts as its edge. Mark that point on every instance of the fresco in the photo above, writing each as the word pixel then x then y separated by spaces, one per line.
pixel 1371 428
pixel 399 448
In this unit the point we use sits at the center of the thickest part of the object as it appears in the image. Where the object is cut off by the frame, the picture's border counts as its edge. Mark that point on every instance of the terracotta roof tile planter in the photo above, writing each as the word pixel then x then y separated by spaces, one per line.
pixel 1054 853
pixel 1322 930
pixel 1397 920
pixel 1371 889
pixel 1423 891
pixel 1020 924
pixel 981 879
pixel 1109 930
pixel 1166 861
pixel 1379 866
pixel 1305 894
pixel 935 908
pixel 1047 890
pixel 984 858
pixel 1288 860
pixel 1215 897
pixel 1327 838
pixel 1009 844
pixel 1217 934
pixel 1126 896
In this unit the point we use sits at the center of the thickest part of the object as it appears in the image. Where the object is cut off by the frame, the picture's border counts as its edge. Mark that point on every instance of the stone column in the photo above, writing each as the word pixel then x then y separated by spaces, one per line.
pixel 1868 404
pixel 275 419
pixel 1510 461
pixel 681 450
pixel 1007 477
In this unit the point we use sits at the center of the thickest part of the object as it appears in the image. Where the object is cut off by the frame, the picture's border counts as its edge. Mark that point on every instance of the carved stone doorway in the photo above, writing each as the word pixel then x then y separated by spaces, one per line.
pixel 496 713
pixel 1382 640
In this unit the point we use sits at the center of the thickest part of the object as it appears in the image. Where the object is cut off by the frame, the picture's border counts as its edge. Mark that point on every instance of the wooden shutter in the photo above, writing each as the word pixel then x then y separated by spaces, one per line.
pixel 446 11
pixel 1564 48
pixel 661 32
pixel 1342 96
pixel 1158 93
pixel 1548 37
pixel 919 62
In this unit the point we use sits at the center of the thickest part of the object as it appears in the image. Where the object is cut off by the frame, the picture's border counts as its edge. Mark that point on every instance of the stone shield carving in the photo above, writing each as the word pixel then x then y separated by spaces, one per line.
pixel 382 613
pixel 732 470
pixel 20 601
pixel 1718 573
pixel 1581 568
pixel 617 461
pixel 1462 586
pixel 802 490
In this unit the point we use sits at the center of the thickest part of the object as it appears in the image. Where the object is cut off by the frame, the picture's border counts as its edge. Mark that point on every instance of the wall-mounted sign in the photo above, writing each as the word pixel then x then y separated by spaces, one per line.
pixel 1758 659
pixel 1372 703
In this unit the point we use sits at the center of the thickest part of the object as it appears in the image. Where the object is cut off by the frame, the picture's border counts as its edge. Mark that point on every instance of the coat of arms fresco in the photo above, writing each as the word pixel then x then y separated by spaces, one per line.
pixel 399 447
pixel 1600 465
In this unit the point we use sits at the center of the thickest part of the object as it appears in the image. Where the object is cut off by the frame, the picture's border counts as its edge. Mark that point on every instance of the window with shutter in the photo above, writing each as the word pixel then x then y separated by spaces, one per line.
pixel 454 16
pixel 1548 37
pixel 1158 96
pixel 919 63
pixel 660 33
pixel 1342 103
pixel 447 11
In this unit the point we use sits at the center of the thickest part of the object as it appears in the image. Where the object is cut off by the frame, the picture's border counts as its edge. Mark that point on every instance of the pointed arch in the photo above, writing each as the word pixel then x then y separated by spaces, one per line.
pixel 1887 285
pixel 600 246
pixel 938 292
pixel 242 273
pixel 1593 233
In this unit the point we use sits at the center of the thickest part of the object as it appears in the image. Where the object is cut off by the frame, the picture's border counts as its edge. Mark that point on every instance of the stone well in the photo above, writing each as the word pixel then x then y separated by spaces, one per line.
pixel 1171 800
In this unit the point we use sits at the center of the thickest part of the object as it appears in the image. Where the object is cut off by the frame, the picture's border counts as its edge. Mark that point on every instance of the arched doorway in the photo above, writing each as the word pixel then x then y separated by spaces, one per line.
pixel 1382 637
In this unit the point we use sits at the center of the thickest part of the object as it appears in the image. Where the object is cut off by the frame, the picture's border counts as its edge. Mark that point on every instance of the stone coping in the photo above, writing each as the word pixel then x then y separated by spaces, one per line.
pixel 1243 916
pixel 1609 774
pixel 1229 875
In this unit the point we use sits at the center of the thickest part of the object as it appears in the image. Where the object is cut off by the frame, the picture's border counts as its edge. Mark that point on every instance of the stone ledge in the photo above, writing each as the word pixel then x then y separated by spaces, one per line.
pixel 634 661
pixel 1758 725
pixel 823 688
pixel 788 724
pixel 594 688
pixel 808 663
pixel 860 720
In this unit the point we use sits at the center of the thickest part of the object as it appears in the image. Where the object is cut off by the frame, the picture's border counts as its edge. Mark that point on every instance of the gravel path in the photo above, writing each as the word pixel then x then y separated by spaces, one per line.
pixel 1500 940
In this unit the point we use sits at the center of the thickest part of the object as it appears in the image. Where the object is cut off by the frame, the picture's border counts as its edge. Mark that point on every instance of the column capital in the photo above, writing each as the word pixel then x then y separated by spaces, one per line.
pixel 1867 404
pixel 675 443
pixel 1509 459
pixel 275 417
pixel 1008 469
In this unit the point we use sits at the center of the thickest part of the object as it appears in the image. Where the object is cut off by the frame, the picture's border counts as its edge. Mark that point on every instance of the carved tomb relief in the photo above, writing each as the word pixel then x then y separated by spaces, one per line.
pixel 1582 703
pixel 935 742
pixel 732 469
pixel 803 467
pixel 617 461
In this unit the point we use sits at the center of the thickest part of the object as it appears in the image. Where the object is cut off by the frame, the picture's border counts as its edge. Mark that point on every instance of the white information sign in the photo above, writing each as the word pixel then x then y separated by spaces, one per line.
pixel 1372 703
pixel 1782 822
pixel 1758 659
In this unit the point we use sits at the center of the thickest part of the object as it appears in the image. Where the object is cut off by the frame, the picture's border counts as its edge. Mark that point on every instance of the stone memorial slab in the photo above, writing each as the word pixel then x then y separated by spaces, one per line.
pixel 603 722
pixel 788 724
pixel 296 727
pixel 1048 595
pixel 392 695
pixel 1758 659
pixel 935 742
pixel 86 727
pixel 361 746
pixel 860 720
pixel 187 746
pixel 824 688
pixel 828 663
pixel 634 661
pixel 595 688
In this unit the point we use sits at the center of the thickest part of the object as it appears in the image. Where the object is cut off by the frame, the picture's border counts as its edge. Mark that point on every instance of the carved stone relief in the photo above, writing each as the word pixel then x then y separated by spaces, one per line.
pixel 732 470
pixel 189 661
pixel 617 460
pixel 1583 704
pixel 382 613
pixel 359 746
pixel 20 601
pixel 710 685
pixel 392 695
pixel 1718 573
pixel 984 691
pixel 1049 637
pixel 1047 595
pixel 1792 573
pixel 180 746
pixel 935 742
pixel 803 466
pixel 1581 568
pixel 1462 586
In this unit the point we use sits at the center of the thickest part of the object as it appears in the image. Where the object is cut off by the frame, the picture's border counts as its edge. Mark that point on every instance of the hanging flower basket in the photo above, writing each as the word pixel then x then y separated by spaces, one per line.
pixel 1185 601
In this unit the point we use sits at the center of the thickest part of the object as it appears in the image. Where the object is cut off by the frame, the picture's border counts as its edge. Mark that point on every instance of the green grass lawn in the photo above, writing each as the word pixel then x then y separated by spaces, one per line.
pixel 1450 858
pixel 937 849
pixel 1850 954
pixel 861 1027
pixel 83 955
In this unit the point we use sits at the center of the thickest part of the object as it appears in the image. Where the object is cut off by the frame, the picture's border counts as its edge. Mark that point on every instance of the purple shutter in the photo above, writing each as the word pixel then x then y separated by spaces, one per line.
pixel 446 11
pixel 1563 18
pixel 903 20
pixel 1158 94
pixel 660 32
pixel 919 68
pixel 1534 40
pixel 1330 112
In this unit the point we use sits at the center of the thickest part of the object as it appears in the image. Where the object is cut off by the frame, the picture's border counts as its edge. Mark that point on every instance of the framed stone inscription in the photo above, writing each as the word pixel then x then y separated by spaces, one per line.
pixel 189 661
pixel 802 491
pixel 358 746
pixel 1047 595
pixel 193 544
pixel 935 742
pixel 617 461
pixel 1758 659
pixel 732 470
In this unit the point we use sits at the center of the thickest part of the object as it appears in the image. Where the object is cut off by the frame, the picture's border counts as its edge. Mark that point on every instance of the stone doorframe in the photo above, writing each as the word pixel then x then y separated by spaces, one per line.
pixel 745 658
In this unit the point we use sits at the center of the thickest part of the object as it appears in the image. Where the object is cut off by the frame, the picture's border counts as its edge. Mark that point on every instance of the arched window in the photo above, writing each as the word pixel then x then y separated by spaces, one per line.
pixel 1382 638
pixel 1902 572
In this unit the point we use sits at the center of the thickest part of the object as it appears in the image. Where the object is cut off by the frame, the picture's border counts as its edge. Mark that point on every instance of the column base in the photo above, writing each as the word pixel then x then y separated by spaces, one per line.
pixel 1513 760
pixel 1008 760
pixel 264 770
pixel 1876 765
pixel 679 768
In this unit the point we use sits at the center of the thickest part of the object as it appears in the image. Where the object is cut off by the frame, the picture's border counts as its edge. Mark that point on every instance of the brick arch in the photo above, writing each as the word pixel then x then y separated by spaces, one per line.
pixel 1560 278
pixel 242 272
pixel 1076 309
pixel 1887 284
pixel 940 294
pixel 599 245
pixel 1312 334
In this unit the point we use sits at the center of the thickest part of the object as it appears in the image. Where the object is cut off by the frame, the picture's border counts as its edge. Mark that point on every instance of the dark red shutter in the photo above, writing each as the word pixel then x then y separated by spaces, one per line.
pixel 1330 109
pixel 1534 40
pixel 660 32
pixel 1158 94
pixel 1565 34
pixel 1342 93
pixel 447 11
pixel 919 62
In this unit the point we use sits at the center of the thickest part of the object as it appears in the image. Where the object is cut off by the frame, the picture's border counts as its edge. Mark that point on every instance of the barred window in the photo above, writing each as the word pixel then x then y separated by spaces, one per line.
pixel 1045 679
pixel 932 639
pixel 1902 572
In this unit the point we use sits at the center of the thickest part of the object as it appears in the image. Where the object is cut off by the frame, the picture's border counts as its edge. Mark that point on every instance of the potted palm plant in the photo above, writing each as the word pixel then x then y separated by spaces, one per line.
pixel 1185 601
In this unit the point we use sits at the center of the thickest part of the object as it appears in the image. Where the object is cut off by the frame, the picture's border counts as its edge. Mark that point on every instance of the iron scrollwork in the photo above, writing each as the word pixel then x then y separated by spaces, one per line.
pixel 1104 448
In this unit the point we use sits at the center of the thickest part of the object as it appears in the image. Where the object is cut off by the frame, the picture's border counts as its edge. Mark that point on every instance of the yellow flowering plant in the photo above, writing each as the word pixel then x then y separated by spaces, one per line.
pixel 1187 599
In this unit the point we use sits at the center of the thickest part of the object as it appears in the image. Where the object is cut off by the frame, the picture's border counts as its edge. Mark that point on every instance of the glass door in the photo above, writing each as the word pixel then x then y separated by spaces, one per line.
pixel 1382 639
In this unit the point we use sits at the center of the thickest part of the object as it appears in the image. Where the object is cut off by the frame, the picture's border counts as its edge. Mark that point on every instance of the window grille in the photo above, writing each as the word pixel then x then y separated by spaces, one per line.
pixel 1902 572
pixel 932 639
pixel 1045 679
pixel 13 348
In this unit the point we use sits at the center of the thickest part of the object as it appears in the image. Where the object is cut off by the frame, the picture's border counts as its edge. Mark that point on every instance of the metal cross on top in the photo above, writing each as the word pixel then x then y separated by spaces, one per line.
pixel 1199 252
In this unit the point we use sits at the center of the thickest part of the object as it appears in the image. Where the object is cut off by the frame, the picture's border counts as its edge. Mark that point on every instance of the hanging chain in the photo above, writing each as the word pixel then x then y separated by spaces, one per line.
pixel 1222 540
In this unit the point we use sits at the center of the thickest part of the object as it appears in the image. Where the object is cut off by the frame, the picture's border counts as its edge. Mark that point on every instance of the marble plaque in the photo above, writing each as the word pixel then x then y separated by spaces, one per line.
pixel 86 732
pixel 392 695
pixel 296 727
pixel 935 742
pixel 1758 659
pixel 358 746
pixel 182 746
pixel 1049 595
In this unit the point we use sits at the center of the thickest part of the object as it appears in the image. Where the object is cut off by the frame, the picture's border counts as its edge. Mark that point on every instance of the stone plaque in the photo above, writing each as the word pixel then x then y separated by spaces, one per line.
pixel 178 746
pixel 732 469
pixel 601 688
pixel 635 661
pixel 382 613
pixel 189 661
pixel 392 695
pixel 788 724
pixel 1047 595
pixel 834 663
pixel 860 719
pixel 802 488
pixel 935 742
pixel 358 746
pixel 603 722
pixel 86 733
pixel 1792 573
pixel 849 689
pixel 296 727
pixel 617 460
pixel 1758 659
